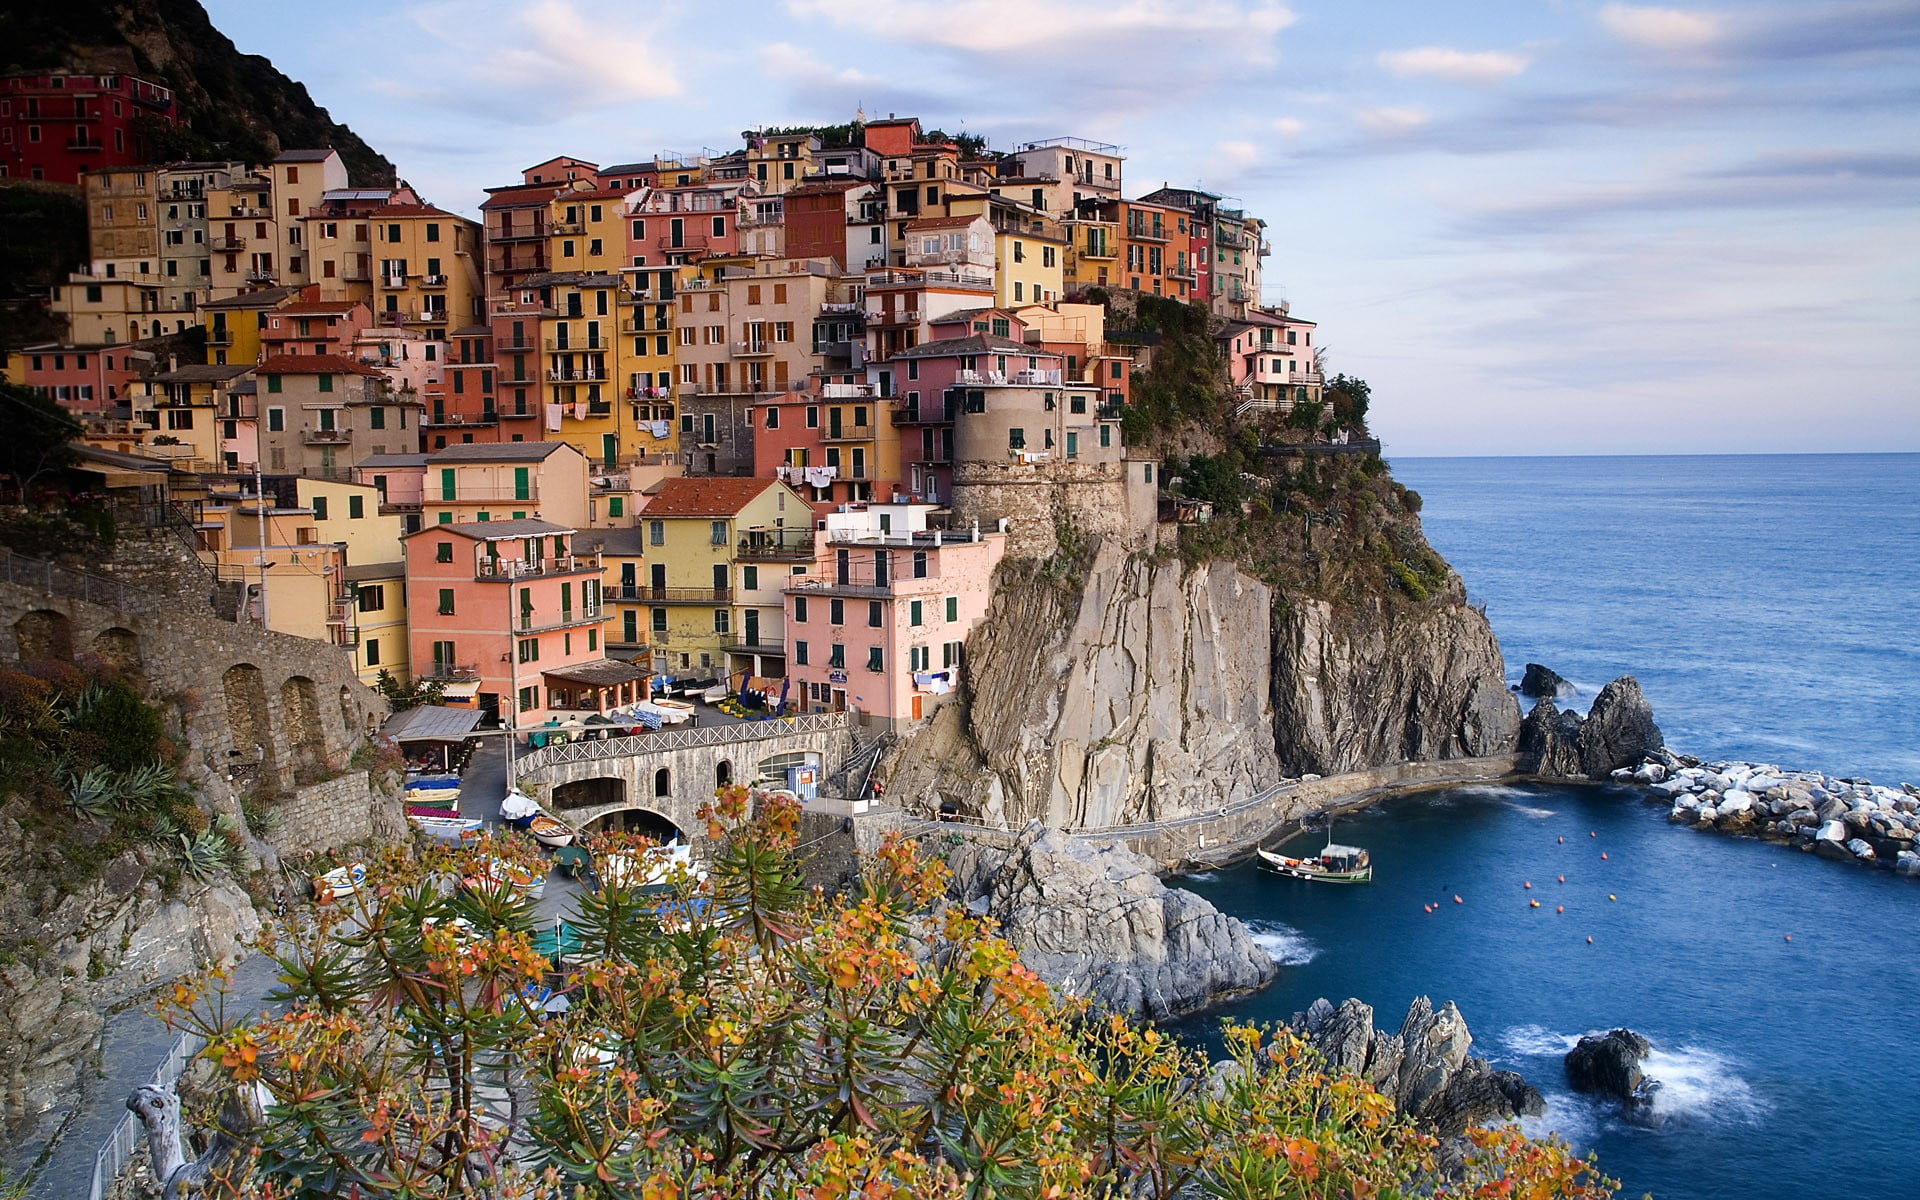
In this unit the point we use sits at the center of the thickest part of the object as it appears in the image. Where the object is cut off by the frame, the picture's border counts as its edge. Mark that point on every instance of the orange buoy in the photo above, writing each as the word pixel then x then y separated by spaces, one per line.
pixel 1559 908
pixel 1458 900
pixel 1603 854
pixel 1590 833
pixel 1528 885
pixel 1589 941
pixel 1789 937
pixel 1563 879
pixel 1562 841
pixel 1534 903
pixel 1610 895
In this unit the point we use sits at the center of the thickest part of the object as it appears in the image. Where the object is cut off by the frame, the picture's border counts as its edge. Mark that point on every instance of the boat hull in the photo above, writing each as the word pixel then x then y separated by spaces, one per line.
pixel 1300 868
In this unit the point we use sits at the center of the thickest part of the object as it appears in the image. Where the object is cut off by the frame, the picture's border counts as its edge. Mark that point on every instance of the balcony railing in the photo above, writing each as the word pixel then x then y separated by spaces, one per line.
pixel 909 316
pixel 480 495
pixel 674 595
pixel 525 568
pixel 850 433
pixel 262 276
pixel 540 622
pixel 752 349
pixel 566 229
pixel 326 437
pixel 560 345
pixel 218 335
pixel 577 375
pixel 781 546
pixel 226 245
pixel 433 281
pixel 454 672
pixel 443 420
pixel 1108 412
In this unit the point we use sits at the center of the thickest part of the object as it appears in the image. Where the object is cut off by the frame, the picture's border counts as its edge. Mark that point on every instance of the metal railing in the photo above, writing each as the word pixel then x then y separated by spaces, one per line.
pixel 53 580
pixel 678 738
pixel 118 1149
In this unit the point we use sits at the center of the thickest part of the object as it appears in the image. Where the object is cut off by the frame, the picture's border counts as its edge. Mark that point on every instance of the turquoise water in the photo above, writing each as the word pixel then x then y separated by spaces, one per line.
pixel 1765 603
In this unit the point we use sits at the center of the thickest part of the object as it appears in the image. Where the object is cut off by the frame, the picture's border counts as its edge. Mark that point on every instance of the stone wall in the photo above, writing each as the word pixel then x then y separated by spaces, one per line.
pixel 1098 499
pixel 347 811
pixel 832 843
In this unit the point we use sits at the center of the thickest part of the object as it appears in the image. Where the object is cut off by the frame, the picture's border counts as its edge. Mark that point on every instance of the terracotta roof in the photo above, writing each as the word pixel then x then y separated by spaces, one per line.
pixel 496 531
pixel 315 364
pixel 979 343
pixel 961 314
pixel 264 298
pixel 704 497
pixel 307 307
pixel 823 187
pixel 413 210
pixel 942 222
pixel 198 373
pixel 515 194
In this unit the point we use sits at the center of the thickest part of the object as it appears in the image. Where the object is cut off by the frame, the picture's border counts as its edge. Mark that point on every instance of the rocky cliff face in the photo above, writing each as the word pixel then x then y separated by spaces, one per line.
pixel 1147 689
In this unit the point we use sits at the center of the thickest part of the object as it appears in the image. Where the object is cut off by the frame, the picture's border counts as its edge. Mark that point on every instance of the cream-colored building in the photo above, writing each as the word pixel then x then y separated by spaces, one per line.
pixel 479 482
pixel 427 270
pixel 298 180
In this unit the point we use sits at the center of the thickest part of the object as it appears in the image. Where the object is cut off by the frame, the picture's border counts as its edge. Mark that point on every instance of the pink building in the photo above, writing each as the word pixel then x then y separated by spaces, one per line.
pixel 84 380
pixel 880 622
pixel 400 480
pixel 673 225
pixel 503 611
pixel 314 327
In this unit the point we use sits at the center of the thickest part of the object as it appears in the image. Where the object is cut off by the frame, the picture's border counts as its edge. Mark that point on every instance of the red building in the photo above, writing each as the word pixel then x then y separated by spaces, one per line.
pixel 816 218
pixel 465 407
pixel 56 126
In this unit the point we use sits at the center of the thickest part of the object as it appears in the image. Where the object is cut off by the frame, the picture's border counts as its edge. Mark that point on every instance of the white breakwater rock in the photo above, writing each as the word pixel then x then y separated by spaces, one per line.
pixel 1835 817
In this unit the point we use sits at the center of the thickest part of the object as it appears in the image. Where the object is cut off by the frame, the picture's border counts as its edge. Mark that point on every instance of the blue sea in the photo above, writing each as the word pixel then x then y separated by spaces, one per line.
pixel 1765 604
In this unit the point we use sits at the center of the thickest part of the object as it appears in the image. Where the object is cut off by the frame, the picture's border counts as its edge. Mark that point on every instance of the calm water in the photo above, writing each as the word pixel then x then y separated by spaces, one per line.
pixel 1765 604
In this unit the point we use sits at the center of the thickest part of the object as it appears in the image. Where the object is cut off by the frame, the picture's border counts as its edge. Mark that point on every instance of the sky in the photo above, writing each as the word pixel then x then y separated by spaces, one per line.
pixel 1534 226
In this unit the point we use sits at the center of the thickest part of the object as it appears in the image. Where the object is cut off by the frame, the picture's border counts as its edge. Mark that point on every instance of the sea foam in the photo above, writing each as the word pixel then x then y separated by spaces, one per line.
pixel 1283 943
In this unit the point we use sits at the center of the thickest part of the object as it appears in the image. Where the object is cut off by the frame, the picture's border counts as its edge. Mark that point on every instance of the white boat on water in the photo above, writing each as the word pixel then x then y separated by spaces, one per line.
pixel 1334 864
pixel 649 868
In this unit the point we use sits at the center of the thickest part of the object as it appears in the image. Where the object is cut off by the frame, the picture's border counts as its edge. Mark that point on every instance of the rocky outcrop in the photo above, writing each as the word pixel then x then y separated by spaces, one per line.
pixel 1424 1068
pixel 1609 1064
pixel 1543 683
pixel 1146 690
pixel 1092 918
pixel 1617 731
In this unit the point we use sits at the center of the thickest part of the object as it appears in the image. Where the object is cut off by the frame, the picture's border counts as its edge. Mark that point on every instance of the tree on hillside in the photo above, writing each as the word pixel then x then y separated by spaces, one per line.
pixel 39 437
pixel 741 1036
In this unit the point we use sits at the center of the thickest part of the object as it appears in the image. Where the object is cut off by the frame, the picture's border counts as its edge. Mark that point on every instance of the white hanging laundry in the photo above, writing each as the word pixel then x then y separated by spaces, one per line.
pixel 554 412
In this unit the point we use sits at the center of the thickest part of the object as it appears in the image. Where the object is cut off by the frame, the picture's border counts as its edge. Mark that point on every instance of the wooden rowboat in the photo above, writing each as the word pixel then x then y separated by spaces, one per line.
pixel 450 829
pixel 549 831
pixel 339 883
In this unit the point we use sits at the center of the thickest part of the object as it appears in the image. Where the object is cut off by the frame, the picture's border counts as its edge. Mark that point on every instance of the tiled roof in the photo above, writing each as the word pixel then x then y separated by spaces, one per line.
pixel 942 222
pixel 496 531
pixel 303 156
pixel 979 343
pixel 316 364
pixel 378 461
pixel 413 210
pixel 264 298
pixel 620 543
pixel 198 373
pixel 313 307
pixel 497 452
pixel 703 497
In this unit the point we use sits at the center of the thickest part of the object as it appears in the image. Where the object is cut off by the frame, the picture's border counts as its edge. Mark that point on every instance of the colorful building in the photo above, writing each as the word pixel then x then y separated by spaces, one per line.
pixel 1271 360
pixel 879 623
pixel 321 413
pixel 182 411
pixel 1070 171
pixel 506 481
pixel 835 444
pixel 505 611
pixel 428 269
pixel 60 125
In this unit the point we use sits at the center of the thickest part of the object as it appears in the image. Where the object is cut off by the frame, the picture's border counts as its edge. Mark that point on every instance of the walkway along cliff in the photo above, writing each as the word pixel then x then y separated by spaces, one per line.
pixel 1177 666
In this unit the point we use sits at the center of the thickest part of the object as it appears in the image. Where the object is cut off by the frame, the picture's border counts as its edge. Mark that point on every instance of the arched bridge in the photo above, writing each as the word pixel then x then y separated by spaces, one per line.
pixel 669 773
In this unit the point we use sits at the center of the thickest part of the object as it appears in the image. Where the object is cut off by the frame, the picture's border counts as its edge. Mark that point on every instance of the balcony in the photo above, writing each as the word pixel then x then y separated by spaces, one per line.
pixel 539 622
pixel 566 229
pixel 783 545
pixel 1098 251
pixel 842 310
pixel 517 343
pixel 510 233
pixel 505 569
pixel 752 349
pixel 909 316
pixel 563 346
pixel 219 335
pixel 241 408
pixel 448 420
pixel 226 245
pixel 1146 233
pixel 931 414
pixel 763 649
pixel 394 279
pixel 453 672
pixel 851 433
pixel 673 595
pixel 516 414
pixel 1108 412
pixel 326 437
pixel 262 275
pixel 577 375
pixel 1037 378
pixel 691 241
pixel 433 281
pixel 480 495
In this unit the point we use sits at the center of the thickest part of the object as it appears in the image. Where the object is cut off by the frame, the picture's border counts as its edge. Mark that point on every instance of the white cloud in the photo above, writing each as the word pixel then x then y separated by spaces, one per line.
pixel 1660 28
pixel 552 51
pixel 1237 155
pixel 1002 26
pixel 1289 126
pixel 797 65
pixel 1455 66
pixel 1393 120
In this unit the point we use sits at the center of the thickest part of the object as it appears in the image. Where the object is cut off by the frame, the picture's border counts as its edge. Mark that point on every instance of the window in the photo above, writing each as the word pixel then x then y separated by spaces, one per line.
pixel 527 699
pixel 799 608
pixel 446 602
pixel 800 654
pixel 813 416
pixel 953 609
pixel 443 552
pixel 372 597
pixel 1073 444
pixel 718 532
pixel 720 620
pixel 273 384
pixel 326 383
pixel 919 565
pixel 875 661
pixel 276 420
pixel 658 619
pixel 616 506
pixel 529 650
pixel 1106 436
pixel 1016 439
pixel 373 652
pixel 656 533
pixel 377 416
pixel 319 508
pixel 836 612
pixel 773 416
pixel 914 613
pixel 750 578
pixel 839 656
pixel 873 614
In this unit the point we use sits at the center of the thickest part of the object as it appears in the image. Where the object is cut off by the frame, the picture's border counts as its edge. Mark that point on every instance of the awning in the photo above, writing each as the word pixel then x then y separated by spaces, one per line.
pixel 604 673
pixel 460 690
pixel 431 723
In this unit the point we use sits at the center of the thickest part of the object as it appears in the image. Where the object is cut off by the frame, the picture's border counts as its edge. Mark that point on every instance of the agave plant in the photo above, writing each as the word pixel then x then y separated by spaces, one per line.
pixel 96 793
pixel 206 856
pixel 70 709
pixel 151 786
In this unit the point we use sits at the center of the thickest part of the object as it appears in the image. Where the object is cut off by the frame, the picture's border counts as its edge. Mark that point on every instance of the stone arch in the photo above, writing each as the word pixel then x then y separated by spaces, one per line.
pixel 349 721
pixel 250 721
pixel 43 635
pixel 663 783
pixel 300 713
pixel 723 773
pixel 118 648
pixel 596 792
pixel 644 821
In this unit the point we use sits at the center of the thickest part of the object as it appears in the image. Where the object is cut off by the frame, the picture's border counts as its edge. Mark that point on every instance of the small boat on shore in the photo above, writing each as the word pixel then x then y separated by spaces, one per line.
pixel 339 883
pixel 446 829
pixel 1334 864
pixel 550 831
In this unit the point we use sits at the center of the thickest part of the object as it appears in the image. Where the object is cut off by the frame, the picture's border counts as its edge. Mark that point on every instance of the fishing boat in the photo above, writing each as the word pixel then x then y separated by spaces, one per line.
pixel 339 883
pixel 447 829
pixel 1334 863
pixel 549 831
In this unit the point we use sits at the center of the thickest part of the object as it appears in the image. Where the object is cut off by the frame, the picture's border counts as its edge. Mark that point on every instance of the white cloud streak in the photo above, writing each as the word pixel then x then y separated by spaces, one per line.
pixel 1002 26
pixel 1394 120
pixel 1666 29
pixel 1455 66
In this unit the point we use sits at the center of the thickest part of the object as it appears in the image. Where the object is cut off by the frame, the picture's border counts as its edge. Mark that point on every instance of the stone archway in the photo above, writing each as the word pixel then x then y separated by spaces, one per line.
pixel 663 784
pixel 120 649
pixel 723 773
pixel 597 792
pixel 643 821
pixel 300 714
pixel 250 722
pixel 44 635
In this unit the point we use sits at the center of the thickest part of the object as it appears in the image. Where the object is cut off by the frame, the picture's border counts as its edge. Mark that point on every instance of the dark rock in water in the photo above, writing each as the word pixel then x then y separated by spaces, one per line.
pixel 1424 1068
pixel 1609 1064
pixel 1093 914
pixel 1619 729
pixel 1550 742
pixel 1543 683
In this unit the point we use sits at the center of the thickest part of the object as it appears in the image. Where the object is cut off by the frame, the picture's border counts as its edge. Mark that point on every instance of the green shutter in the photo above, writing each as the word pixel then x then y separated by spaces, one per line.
pixel 521 489
pixel 447 491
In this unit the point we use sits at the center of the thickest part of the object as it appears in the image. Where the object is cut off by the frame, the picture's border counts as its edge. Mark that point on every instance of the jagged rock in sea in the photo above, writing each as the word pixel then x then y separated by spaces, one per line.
pixel 1618 731
pixel 1092 917
pixel 1543 683
pixel 1146 690
pixel 1609 1064
pixel 1424 1068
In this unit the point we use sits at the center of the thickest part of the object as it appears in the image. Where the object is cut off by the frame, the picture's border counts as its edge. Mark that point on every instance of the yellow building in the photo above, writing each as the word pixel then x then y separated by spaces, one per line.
pixel 242 235
pixel 299 179
pixel 581 358
pixel 711 601
pixel 587 230
pixel 102 310
pixel 180 412
pixel 380 621
pixel 1029 248
pixel 427 273
pixel 291 581
pixel 1092 254
pixel 349 515
pixel 778 163
pixel 234 323
pixel 647 370
pixel 624 573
